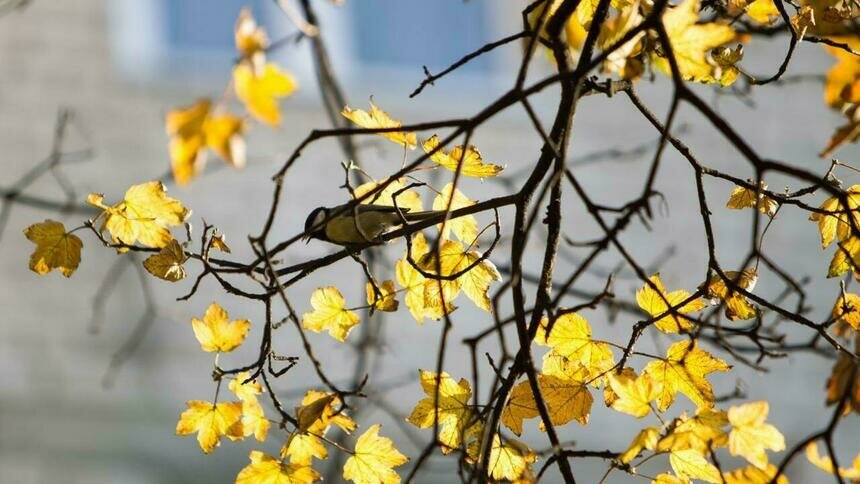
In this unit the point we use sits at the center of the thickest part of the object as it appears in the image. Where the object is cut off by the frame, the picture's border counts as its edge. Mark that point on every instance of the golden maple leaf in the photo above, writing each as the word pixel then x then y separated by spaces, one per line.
pixel 845 377
pixel 825 463
pixel 684 371
pixel 267 469
pixel 145 215
pixel 565 393
pixel 254 419
pixel 634 394
pixel 216 332
pixel 55 248
pixel 387 300
pixel 453 412
pixel 472 162
pixel 330 314
pixel 701 432
pixel 167 264
pixel 374 460
pixel 194 128
pixel 691 42
pixel 406 199
pixel 645 439
pixel 510 460
pixel 654 303
pixel 570 339
pixel 465 228
pixel 413 282
pixel 259 90
pixel 691 464
pixel 737 305
pixel 250 38
pixel 318 412
pixel 211 422
pixel 754 475
pixel 750 435
pixel 742 197
pixel 376 119
pixel 451 259
pixel 835 220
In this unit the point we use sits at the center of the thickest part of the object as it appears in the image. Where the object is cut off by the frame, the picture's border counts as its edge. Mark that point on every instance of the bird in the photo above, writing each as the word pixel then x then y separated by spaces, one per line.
pixel 340 225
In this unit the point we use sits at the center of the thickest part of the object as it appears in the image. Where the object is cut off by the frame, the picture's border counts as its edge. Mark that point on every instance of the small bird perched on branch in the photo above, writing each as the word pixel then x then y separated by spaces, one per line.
pixel 360 224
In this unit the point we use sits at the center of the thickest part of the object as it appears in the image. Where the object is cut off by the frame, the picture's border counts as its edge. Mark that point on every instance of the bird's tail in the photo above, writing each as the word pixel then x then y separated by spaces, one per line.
pixel 424 215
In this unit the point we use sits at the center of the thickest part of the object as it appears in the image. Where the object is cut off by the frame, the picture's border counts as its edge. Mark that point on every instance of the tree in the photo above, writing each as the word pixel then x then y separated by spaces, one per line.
pixel 603 49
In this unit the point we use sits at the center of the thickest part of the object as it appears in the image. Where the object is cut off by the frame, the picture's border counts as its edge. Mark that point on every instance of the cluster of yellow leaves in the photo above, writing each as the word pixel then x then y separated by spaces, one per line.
pixel 144 215
pixel 842 92
pixel 55 248
pixel 414 283
pixel 835 222
pixel 463 270
pixel 329 314
pixel 317 413
pixel 691 43
pixel 447 405
pixel 743 197
pixel 660 304
pixel 689 439
pixel 196 127
pixel 737 305
pixel 257 83
pixel 825 463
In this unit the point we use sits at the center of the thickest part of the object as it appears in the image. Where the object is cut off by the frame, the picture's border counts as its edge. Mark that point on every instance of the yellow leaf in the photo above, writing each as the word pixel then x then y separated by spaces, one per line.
pixel 167 264
pixel 750 435
pixel 754 475
pixel 845 377
pixel 847 310
pixel 692 464
pixel 742 197
pixel 846 258
pixel 309 414
pixel 566 396
pixel 193 128
pixel 654 303
pixel 144 215
pixel 510 460
pixel 219 242
pixel 645 439
pixel 466 227
pixel 762 11
pixel 211 422
pixel 452 259
pixel 254 419
pixel 329 314
pixel 570 338
pixel 374 460
pixel 737 306
pixel 670 479
pixel 842 84
pixel 269 470
pixel 701 432
pixel 250 38
pixel 453 412
pixel 691 41
pixel 260 91
pixel 472 163
pixel 826 464
pixel 635 395
pixel 406 199
pixel 835 222
pixel 216 332
pixel 624 61
pixel 317 413
pixel 413 282
pixel 303 448
pixel 387 300
pixel 377 119
pixel 55 248
pixel 684 371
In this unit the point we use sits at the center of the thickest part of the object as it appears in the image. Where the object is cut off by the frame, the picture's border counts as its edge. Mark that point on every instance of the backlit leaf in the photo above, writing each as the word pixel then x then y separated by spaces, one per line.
pixel 329 314
pixel 374 460
pixel 472 163
pixel 684 371
pixel 55 248
pixel 167 264
pixel 216 332
pixel 211 422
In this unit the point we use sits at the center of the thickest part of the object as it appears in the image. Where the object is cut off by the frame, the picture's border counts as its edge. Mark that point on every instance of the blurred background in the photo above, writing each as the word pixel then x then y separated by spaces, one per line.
pixel 91 392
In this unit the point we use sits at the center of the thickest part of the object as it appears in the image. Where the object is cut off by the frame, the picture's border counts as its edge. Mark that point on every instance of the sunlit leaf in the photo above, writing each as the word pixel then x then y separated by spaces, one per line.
pixel 55 248
pixel 216 332
pixel 329 314
pixel 374 460
pixel 684 371
pixel 167 264
pixel 376 119
pixel 211 422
